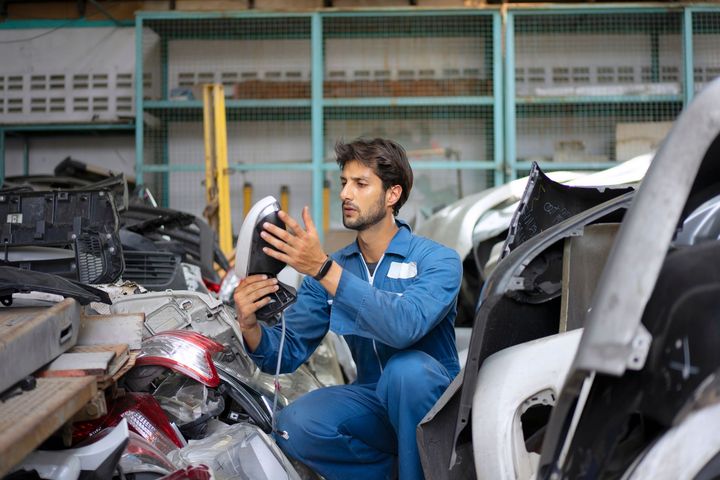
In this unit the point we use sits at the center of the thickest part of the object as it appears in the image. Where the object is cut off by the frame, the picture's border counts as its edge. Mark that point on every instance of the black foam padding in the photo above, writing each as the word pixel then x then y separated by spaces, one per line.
pixel 258 261
pixel 15 280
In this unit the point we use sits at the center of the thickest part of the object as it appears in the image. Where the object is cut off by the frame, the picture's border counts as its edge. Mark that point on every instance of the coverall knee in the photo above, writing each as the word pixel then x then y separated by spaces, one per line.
pixel 366 431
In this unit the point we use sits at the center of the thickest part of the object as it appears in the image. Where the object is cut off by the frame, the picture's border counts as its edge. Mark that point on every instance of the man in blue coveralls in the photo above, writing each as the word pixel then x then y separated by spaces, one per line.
pixel 391 294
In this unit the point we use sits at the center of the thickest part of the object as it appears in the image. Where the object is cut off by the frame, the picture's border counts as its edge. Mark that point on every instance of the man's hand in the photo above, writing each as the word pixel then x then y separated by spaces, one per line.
pixel 251 295
pixel 300 248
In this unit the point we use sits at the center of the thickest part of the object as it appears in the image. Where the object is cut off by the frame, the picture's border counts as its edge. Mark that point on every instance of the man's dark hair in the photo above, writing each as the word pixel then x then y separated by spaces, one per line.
pixel 385 157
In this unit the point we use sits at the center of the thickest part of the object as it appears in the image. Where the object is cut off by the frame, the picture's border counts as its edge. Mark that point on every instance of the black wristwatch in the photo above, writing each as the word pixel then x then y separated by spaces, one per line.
pixel 324 269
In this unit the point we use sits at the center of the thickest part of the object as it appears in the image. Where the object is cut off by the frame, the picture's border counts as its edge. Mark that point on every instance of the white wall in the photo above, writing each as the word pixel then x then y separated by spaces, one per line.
pixel 94 65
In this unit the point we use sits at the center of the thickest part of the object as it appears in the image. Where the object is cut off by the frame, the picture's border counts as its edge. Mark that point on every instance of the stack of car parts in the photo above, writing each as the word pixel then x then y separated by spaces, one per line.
pixel 70 233
pixel 636 395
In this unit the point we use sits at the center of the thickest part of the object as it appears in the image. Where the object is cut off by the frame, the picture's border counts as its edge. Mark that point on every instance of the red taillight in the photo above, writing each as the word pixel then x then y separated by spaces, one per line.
pixel 145 453
pixel 184 351
pixel 212 286
pixel 145 417
pixel 197 472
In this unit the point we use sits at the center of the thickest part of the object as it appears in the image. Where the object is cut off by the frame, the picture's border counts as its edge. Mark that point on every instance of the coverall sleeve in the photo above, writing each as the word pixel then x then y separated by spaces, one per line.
pixel 399 320
pixel 306 322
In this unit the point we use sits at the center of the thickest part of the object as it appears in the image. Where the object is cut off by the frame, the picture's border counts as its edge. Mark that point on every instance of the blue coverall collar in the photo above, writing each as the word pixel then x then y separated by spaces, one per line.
pixel 399 245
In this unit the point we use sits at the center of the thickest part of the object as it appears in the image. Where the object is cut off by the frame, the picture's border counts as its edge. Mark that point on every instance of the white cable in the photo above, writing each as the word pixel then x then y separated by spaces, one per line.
pixel 277 378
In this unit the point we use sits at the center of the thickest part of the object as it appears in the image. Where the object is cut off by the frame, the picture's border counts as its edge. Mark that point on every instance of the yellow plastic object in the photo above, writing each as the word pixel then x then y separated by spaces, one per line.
pixel 247 198
pixel 285 198
pixel 217 175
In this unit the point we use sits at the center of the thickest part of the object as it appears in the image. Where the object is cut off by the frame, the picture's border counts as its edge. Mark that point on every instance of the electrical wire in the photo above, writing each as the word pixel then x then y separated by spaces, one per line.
pixel 277 379
pixel 29 39
pixel 52 30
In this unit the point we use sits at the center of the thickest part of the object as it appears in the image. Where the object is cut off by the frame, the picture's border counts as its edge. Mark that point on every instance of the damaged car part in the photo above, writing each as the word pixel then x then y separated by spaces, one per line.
pixel 251 260
pixel 684 170
pixel 515 307
pixel 680 318
pixel 96 460
pixel 546 203
pixel 183 351
pixel 84 222
pixel 240 451
pixel 14 280
pixel 32 337
pixel 189 236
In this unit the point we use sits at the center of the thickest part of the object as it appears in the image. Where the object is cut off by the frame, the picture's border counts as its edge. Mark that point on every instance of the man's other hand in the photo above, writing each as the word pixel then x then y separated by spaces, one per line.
pixel 251 295
pixel 300 248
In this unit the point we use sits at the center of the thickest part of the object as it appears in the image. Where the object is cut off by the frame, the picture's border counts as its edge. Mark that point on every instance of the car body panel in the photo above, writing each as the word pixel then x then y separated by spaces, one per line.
pixel 85 221
pixel 519 381
pixel 15 280
pixel 452 226
pixel 500 323
pixel 614 339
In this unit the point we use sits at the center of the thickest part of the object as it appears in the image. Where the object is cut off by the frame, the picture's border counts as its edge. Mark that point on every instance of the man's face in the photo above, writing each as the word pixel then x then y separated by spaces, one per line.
pixel 363 197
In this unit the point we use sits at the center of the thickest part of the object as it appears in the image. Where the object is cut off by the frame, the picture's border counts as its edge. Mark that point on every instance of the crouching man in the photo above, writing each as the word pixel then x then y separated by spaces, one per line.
pixel 391 294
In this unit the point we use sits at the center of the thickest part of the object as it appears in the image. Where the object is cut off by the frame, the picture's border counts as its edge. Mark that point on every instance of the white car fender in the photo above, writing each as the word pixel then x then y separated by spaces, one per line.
pixel 682 451
pixel 509 382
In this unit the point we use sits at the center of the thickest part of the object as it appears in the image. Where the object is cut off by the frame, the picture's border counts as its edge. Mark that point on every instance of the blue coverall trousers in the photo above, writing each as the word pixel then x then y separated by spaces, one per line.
pixel 353 432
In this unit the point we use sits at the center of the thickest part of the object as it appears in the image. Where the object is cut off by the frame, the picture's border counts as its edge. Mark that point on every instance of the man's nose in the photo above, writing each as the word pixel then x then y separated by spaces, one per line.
pixel 345 193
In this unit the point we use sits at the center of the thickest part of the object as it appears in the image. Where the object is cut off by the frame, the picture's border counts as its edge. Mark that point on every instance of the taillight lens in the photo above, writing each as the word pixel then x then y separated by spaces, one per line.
pixel 144 415
pixel 227 286
pixel 183 351
pixel 140 455
pixel 196 472
pixel 212 286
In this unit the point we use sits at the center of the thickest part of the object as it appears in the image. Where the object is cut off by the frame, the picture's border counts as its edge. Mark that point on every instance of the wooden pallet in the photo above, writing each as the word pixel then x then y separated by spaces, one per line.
pixel 28 419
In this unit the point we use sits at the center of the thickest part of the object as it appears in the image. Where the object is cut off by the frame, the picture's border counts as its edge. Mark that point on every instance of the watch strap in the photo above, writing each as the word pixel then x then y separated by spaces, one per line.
pixel 324 269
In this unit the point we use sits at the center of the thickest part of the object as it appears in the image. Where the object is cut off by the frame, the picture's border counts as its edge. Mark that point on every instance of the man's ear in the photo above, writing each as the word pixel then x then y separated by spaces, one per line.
pixel 392 195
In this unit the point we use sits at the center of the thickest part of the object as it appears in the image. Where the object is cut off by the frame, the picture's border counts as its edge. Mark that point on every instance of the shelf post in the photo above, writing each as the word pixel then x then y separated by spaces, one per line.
pixel 509 80
pixel 497 77
pixel 138 101
pixel 26 155
pixel 688 56
pixel 318 174
pixel 2 156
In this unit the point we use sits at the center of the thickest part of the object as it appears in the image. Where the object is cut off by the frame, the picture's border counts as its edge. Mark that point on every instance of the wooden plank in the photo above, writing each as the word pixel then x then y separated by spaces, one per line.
pixel 106 381
pixel 28 419
pixel 95 363
pixel 108 329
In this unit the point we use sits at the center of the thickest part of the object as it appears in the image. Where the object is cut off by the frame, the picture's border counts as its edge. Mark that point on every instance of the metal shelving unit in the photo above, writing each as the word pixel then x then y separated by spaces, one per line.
pixel 32 129
pixel 264 62
pixel 313 87
pixel 702 25
pixel 440 81
pixel 429 79
pixel 43 101
pixel 582 84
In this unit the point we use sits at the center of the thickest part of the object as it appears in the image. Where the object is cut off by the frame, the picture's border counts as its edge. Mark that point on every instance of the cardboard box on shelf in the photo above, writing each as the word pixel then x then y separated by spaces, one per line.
pixel 637 138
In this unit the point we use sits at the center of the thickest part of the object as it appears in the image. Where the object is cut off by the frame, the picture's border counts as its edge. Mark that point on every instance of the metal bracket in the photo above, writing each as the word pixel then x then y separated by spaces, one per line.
pixel 516 283
pixel 640 348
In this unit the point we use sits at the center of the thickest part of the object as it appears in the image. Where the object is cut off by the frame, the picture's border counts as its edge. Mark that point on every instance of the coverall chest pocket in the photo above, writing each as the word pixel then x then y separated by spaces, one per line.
pixel 399 277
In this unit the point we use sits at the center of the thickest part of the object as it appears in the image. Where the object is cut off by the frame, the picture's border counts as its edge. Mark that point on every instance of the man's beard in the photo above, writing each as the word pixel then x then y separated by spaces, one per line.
pixel 366 220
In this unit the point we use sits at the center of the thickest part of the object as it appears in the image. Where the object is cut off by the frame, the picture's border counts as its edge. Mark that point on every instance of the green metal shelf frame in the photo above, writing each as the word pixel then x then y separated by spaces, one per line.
pixel 513 166
pixel 49 128
pixel 57 24
pixel 688 44
pixel 598 99
pixel 56 127
pixel 503 101
pixel 317 104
